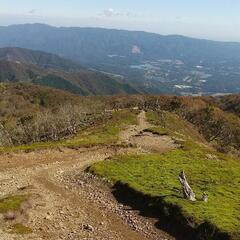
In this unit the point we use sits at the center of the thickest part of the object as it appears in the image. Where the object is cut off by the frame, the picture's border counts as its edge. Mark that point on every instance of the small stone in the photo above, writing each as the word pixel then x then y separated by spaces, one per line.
pixel 10 215
pixel 48 217
pixel 88 227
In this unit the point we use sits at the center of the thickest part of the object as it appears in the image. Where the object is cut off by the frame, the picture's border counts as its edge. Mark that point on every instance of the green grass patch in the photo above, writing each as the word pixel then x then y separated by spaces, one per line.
pixel 171 124
pixel 19 228
pixel 105 133
pixel 157 176
pixel 12 203
pixel 183 132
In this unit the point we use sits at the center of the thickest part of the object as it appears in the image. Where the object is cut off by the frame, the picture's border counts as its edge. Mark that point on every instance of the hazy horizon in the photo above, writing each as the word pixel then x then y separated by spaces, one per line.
pixel 121 29
pixel 215 20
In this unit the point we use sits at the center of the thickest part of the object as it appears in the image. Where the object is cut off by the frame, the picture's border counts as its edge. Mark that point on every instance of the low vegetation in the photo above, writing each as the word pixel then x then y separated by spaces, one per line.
pixel 19 228
pixel 12 203
pixel 230 103
pixel 101 134
pixel 156 176
pixel 168 123
pixel 218 126
pixel 30 114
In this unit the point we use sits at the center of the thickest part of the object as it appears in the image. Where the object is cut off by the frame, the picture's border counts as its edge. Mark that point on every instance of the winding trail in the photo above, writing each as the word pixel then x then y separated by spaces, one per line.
pixel 65 200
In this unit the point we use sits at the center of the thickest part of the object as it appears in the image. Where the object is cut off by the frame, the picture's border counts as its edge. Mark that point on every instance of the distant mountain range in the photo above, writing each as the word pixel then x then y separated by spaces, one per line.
pixel 151 63
pixel 23 65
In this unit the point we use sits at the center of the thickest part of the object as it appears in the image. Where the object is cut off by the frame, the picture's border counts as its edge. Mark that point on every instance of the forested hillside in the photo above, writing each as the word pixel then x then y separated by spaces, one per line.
pixel 23 65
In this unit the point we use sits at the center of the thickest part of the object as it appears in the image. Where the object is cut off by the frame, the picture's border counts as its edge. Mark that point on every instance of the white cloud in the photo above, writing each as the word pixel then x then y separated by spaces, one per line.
pixel 110 12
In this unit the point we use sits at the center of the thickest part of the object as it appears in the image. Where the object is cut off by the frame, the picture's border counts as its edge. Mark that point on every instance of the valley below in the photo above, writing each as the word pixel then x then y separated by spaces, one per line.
pixel 124 62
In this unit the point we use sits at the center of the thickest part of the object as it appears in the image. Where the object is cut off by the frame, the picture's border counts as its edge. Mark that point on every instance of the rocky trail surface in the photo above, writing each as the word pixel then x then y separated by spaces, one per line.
pixel 66 202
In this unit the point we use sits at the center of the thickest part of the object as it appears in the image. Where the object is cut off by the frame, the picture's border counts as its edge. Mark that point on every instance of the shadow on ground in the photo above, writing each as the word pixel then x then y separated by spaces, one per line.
pixel 169 217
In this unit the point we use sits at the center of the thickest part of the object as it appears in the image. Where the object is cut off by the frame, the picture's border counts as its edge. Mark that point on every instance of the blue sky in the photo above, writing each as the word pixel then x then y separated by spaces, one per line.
pixel 212 19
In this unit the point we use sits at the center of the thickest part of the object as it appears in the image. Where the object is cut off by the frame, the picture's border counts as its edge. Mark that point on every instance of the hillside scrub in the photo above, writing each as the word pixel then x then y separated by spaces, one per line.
pixel 102 133
pixel 46 126
pixel 31 114
pixel 219 127
pixel 230 103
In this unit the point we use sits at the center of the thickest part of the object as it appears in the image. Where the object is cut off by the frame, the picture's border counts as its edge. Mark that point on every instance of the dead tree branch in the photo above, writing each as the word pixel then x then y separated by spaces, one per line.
pixel 187 191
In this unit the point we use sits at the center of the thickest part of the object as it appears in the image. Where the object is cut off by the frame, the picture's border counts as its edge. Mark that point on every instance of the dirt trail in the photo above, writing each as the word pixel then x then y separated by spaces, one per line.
pixel 134 130
pixel 139 137
pixel 67 203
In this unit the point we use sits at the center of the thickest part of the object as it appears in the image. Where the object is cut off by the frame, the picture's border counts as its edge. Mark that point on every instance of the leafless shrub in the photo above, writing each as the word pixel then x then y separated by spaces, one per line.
pixel 48 125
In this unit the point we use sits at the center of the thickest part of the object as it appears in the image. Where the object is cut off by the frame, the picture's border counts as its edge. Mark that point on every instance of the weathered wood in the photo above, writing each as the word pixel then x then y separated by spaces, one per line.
pixel 187 191
pixel 205 197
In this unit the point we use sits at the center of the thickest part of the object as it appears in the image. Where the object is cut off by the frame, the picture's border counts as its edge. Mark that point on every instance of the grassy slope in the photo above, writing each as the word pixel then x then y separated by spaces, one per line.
pixel 106 133
pixel 207 171
pixel 219 127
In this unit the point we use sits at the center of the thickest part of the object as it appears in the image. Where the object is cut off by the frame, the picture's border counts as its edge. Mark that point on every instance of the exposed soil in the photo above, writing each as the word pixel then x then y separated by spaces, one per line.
pixel 145 140
pixel 153 142
pixel 66 202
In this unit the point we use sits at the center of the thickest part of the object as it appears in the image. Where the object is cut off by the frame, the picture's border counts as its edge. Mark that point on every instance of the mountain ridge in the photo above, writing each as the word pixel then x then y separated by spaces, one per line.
pixel 43 25
pixel 150 62
pixel 23 65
